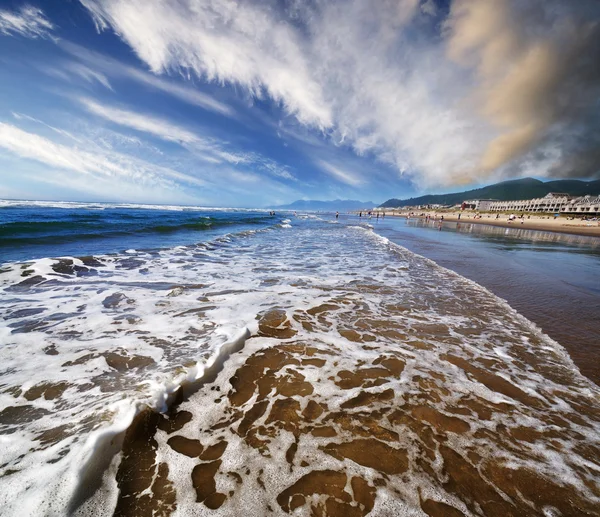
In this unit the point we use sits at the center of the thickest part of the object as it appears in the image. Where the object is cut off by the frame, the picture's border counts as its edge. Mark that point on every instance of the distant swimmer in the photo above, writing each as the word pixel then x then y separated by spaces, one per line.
pixel 360 214
pixel 337 215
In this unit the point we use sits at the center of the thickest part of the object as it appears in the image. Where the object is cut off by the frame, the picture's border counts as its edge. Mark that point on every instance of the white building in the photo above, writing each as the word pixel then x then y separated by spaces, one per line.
pixel 552 202
pixel 479 204
pixel 588 205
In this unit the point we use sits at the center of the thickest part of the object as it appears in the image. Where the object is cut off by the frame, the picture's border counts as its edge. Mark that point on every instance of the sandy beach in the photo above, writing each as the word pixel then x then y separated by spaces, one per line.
pixel 530 221
pixel 305 366
pixel 383 424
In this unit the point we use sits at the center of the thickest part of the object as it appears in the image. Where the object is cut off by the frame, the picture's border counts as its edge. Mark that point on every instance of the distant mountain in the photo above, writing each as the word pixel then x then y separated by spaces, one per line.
pixel 527 188
pixel 340 205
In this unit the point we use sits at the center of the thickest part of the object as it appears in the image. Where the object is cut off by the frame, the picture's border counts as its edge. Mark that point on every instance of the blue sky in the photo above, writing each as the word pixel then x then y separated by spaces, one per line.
pixel 224 103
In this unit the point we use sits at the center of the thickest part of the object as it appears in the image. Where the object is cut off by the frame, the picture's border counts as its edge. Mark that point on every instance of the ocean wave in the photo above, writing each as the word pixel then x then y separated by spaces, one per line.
pixel 399 356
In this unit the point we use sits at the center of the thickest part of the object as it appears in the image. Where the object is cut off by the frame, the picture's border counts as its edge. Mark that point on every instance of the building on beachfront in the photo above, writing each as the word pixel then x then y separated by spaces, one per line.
pixel 477 204
pixel 586 205
pixel 553 202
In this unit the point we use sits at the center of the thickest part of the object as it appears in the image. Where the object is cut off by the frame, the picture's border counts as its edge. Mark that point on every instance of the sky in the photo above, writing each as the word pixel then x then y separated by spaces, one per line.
pixel 260 103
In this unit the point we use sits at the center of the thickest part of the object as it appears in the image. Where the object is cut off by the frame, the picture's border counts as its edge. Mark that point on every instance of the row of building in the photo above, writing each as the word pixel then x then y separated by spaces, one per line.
pixel 553 202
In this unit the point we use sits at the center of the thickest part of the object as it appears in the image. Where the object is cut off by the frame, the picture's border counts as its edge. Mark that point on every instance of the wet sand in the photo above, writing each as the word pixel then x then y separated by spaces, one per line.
pixel 318 370
pixel 559 225
pixel 551 278
pixel 371 428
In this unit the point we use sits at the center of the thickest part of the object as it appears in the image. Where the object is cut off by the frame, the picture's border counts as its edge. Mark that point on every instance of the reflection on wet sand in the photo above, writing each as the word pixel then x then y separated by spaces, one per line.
pixel 550 278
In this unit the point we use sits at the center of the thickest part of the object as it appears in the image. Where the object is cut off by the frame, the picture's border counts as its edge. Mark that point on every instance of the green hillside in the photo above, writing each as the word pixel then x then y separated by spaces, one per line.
pixel 512 190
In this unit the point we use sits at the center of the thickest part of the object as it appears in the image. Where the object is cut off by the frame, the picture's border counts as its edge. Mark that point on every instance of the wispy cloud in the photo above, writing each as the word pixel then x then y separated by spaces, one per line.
pixel 208 149
pixel 74 72
pixel 28 21
pixel 22 116
pixel 103 163
pixel 340 174
pixel 337 66
pixel 141 122
pixel 107 66
pixel 84 162
pixel 223 42
pixel 89 75
pixel 381 79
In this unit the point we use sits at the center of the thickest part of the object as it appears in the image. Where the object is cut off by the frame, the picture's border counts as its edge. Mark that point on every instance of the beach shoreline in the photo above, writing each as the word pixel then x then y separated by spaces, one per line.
pixel 298 367
pixel 530 222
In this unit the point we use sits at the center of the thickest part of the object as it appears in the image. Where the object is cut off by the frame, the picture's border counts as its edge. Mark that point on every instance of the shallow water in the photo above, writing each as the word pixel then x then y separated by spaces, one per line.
pixel 301 366
pixel 553 279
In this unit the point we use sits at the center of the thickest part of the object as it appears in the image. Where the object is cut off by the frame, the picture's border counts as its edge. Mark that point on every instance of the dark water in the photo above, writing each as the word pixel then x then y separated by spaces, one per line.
pixel 553 279
pixel 30 231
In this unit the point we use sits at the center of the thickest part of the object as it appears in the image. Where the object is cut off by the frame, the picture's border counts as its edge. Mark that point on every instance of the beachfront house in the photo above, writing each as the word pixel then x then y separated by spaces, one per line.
pixel 586 205
pixel 551 202
pixel 482 205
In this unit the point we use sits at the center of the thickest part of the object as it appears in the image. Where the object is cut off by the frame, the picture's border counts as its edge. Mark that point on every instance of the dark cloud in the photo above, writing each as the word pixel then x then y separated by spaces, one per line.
pixel 537 69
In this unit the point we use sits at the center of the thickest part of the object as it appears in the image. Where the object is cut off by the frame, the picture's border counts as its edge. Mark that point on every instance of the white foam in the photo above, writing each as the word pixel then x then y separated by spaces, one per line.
pixel 8 203
pixel 139 304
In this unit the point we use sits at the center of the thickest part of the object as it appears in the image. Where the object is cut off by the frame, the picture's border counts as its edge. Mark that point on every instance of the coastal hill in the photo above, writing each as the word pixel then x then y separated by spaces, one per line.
pixel 327 206
pixel 527 188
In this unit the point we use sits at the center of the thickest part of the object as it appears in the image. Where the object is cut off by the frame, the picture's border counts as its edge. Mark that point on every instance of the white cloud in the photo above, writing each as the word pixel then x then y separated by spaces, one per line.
pixel 370 74
pixel 345 67
pixel 104 164
pixel 28 21
pixel 107 66
pixel 88 74
pixel 429 7
pixel 210 150
pixel 340 174
pixel 89 163
pixel 220 41
pixel 142 122
pixel 22 116
pixel 276 170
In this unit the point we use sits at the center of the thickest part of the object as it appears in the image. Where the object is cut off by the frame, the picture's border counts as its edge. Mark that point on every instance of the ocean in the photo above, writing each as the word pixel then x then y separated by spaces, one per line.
pixel 187 361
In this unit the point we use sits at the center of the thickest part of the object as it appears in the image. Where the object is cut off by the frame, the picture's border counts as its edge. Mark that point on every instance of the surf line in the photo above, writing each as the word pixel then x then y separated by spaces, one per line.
pixel 135 438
